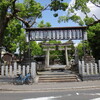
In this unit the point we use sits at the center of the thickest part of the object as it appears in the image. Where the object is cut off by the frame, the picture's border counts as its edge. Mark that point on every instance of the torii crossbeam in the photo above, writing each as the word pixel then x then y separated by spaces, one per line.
pixel 56 33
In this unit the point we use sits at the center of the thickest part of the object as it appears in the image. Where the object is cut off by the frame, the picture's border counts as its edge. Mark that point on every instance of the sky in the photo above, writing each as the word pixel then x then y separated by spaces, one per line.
pixel 48 16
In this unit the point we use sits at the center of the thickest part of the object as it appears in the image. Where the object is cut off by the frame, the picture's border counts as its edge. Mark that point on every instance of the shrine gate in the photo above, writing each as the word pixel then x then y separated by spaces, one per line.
pixel 56 33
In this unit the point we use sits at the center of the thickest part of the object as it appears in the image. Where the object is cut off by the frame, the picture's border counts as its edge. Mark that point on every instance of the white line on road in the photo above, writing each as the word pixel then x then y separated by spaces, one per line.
pixel 44 98
pixel 96 99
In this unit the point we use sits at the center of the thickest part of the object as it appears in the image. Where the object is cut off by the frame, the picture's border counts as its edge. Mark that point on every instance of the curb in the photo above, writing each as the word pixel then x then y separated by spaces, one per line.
pixel 53 89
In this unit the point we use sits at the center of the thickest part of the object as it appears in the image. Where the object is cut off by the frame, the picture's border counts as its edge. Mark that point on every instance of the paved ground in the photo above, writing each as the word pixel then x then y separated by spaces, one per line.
pixel 39 87
pixel 53 95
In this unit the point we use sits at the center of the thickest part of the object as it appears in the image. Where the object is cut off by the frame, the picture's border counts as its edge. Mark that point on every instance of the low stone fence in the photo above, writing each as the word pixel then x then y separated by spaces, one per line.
pixel 12 71
pixel 89 71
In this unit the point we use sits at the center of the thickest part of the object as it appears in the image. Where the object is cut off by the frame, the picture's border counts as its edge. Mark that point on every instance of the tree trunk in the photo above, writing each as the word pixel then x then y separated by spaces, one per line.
pixel 3 24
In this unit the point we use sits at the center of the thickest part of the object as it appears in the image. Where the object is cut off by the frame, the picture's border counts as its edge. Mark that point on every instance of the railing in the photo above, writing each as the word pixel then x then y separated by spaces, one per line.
pixel 89 68
pixel 11 71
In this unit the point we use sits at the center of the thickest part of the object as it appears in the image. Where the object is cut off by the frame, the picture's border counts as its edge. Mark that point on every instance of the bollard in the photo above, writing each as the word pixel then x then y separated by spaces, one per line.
pixel 83 68
pixel 87 69
pixel 15 68
pixel 23 72
pixel 91 66
pixel 99 66
pixel 96 70
pixel 19 69
pixel 33 69
pixel 80 67
pixel 2 70
pixel 10 71
pixel 27 71
pixel 6 71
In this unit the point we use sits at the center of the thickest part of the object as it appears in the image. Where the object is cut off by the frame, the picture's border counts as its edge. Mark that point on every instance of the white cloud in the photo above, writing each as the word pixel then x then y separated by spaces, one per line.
pixel 94 10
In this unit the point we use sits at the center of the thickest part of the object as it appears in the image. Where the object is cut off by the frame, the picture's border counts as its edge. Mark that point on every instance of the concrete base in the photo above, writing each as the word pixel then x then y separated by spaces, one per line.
pixel 90 77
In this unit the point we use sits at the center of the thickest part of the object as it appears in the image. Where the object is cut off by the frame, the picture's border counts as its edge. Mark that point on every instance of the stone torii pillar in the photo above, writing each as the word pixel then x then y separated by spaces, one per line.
pixel 47 58
pixel 66 55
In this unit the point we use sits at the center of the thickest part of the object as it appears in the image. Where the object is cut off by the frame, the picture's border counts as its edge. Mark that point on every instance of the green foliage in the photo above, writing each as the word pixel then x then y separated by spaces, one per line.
pixel 63 19
pixel 88 20
pixel 30 8
pixel 35 48
pixel 15 37
pixel 12 33
pixel 42 24
pixel 58 5
pixel 84 45
pixel 94 40
pixel 82 5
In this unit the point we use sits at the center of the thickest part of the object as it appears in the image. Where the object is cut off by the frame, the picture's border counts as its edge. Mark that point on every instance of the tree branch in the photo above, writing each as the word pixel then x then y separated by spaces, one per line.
pixel 25 22
pixel 95 16
pixel 95 4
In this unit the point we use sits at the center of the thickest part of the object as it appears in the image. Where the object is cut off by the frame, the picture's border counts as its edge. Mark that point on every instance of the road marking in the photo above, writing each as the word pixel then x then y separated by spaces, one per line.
pixel 77 93
pixel 44 98
pixel 95 99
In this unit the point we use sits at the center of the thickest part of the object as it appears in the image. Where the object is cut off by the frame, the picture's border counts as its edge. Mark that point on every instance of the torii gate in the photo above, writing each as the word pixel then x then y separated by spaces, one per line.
pixel 48 49
pixel 56 33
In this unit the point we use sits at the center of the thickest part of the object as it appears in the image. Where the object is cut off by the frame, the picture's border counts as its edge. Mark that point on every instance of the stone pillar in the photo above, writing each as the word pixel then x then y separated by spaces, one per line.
pixel 15 68
pixel 99 66
pixel 87 69
pixel 96 69
pixel 66 56
pixel 2 70
pixel 83 68
pixel 80 67
pixel 47 58
pixel 6 71
pixel 33 69
pixel 19 69
pixel 91 66
pixel 10 72
pixel 23 72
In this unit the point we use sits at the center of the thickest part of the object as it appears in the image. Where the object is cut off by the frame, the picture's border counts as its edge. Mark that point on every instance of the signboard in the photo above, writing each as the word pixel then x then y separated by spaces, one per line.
pixel 55 33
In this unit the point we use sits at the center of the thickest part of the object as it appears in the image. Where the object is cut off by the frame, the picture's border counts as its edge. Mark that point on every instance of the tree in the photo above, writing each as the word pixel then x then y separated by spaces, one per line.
pixel 94 40
pixel 27 12
pixel 80 5
pixel 13 36
pixel 82 48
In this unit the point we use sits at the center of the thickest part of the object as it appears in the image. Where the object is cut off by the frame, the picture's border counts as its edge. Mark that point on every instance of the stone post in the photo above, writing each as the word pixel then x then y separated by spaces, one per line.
pixel 27 69
pixel 10 73
pixel 91 66
pixel 99 66
pixel 19 69
pixel 33 69
pixel 15 68
pixel 2 70
pixel 87 69
pixel 6 71
pixel 23 72
pixel 66 55
pixel 80 67
pixel 96 70
pixel 47 58
pixel 83 68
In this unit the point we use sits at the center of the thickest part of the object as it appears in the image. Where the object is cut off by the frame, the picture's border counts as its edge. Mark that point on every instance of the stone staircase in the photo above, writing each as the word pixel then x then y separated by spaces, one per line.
pixel 57 77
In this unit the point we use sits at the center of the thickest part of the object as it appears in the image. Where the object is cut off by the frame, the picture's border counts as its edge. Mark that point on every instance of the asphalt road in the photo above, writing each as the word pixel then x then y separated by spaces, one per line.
pixel 58 95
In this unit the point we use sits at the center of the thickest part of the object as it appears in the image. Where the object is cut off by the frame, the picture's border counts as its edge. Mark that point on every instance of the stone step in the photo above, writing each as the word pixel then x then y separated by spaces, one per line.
pixel 68 80
pixel 58 78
